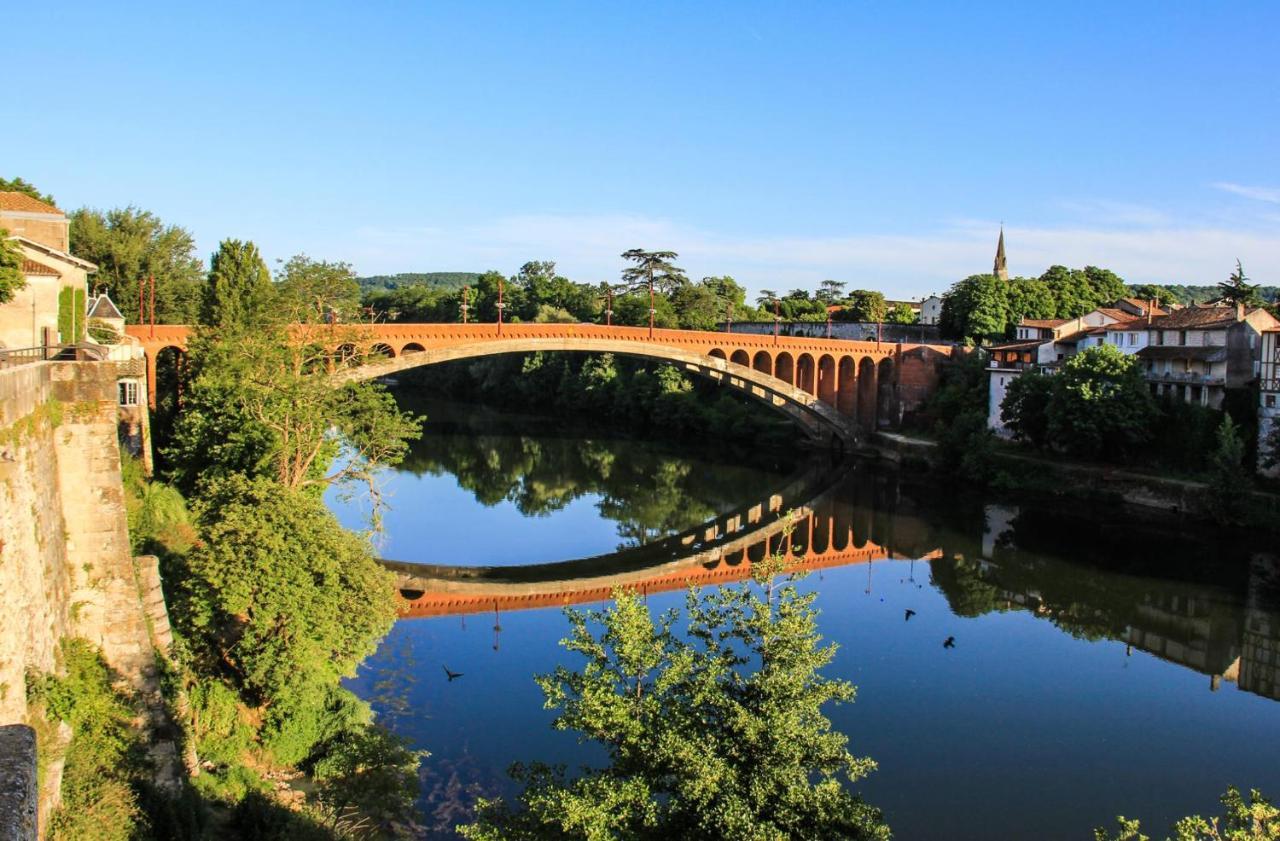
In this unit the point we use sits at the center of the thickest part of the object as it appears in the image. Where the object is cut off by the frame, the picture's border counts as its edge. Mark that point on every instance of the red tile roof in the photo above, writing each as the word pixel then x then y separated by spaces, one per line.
pixel 31 267
pixel 22 203
pixel 1197 317
pixel 1048 323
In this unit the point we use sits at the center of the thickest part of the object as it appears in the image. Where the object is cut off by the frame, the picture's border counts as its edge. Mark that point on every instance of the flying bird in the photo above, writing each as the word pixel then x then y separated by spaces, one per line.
pixel 452 675
pixel 949 642
pixel 908 615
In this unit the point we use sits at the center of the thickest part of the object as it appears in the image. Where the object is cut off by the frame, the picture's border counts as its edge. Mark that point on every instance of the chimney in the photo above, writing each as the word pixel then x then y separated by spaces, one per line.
pixel 1239 310
pixel 1151 308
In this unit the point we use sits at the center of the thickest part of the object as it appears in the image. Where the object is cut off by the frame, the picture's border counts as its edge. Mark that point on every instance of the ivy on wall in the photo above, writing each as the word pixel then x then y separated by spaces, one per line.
pixel 71 315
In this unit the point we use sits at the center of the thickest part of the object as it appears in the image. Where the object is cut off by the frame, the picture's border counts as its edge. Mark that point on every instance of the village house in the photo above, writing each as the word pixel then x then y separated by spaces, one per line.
pixel 56 280
pixel 1269 398
pixel 1197 353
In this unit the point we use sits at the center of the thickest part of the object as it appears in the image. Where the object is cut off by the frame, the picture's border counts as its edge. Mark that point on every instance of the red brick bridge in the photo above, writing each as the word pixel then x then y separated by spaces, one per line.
pixel 834 389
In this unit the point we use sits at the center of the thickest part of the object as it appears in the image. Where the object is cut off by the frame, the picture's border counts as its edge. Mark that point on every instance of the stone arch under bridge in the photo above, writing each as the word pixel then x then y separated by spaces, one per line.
pixel 835 390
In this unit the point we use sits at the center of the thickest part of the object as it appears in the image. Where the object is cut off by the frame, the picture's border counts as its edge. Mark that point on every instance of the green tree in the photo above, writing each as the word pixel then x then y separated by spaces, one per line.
pixel 976 308
pixel 1029 298
pixel 293 602
pixel 766 298
pixel 1077 291
pixel 865 305
pixel 17 185
pixel 717 733
pixel 830 291
pixel 262 403
pixel 653 268
pixel 1101 406
pixel 239 291
pixel 1228 481
pixel 901 314
pixel 1025 409
pixel 1238 290
pixel 633 310
pixel 11 277
pixel 1256 820
pixel 129 245
pixel 317 292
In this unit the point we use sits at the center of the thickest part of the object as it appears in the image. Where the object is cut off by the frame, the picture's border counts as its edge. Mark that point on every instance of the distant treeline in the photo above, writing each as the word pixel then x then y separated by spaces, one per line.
pixel 1178 294
pixel 434 280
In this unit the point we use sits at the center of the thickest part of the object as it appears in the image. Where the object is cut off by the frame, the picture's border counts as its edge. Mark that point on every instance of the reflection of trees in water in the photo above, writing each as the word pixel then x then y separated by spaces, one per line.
pixel 648 492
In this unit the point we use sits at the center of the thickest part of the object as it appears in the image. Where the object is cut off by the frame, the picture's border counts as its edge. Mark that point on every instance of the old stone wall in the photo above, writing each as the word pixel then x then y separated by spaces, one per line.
pixel 66 567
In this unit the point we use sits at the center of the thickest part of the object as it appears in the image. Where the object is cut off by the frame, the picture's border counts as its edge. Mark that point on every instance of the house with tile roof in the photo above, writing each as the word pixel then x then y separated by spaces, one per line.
pixel 1197 353
pixel 42 233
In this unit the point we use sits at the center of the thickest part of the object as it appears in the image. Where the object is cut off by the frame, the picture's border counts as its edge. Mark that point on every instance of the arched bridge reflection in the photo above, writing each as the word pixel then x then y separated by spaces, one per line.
pixel 815 521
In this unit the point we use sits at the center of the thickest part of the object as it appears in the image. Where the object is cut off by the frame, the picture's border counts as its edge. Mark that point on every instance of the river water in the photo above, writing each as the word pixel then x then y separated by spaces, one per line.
pixel 1102 665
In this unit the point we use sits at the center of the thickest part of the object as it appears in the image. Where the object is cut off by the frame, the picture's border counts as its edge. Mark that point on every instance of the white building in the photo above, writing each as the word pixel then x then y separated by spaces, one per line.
pixel 1269 404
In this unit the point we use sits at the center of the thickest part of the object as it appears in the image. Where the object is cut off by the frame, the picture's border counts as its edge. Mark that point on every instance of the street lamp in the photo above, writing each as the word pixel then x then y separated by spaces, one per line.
pixel 652 311
pixel 501 306
pixel 728 325
pixel 608 307
pixel 777 318
pixel 465 307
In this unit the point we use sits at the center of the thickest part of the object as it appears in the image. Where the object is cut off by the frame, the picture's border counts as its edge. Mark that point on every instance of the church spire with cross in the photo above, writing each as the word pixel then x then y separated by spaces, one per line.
pixel 1001 269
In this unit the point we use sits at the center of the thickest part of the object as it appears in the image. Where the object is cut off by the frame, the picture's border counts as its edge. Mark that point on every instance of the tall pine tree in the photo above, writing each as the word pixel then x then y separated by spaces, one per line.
pixel 239 290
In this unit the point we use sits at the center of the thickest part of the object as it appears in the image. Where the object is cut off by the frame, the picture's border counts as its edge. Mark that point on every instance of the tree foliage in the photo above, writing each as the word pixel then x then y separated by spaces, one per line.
pixel 129 245
pixel 295 601
pixel 654 268
pixel 1238 290
pixel 238 292
pixel 975 308
pixel 18 185
pixel 317 292
pixel 262 403
pixel 1256 820
pixel 1025 410
pixel 1228 481
pixel 715 733
pixel 1101 406
pixel 865 305
pixel 11 277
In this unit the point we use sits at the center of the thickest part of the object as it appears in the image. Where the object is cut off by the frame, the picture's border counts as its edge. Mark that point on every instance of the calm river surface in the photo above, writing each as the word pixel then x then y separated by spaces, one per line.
pixel 1100 667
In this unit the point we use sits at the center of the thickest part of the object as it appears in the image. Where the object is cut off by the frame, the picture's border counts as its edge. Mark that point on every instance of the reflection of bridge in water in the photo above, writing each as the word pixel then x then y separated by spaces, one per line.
pixel 805 523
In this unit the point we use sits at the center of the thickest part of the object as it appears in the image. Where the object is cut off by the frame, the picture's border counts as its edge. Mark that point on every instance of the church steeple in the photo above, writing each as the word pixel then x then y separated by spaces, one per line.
pixel 1001 268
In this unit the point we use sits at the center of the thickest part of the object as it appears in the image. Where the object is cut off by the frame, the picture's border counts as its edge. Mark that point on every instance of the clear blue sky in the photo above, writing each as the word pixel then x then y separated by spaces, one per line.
pixel 782 143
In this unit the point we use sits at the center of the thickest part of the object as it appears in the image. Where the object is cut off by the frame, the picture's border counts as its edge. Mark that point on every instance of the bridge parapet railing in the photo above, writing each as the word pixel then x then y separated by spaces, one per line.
pixel 13 357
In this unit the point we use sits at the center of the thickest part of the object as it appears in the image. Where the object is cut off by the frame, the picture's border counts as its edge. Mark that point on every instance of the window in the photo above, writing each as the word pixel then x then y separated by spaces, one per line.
pixel 1133 339
pixel 1182 337
pixel 128 391
pixel 1270 401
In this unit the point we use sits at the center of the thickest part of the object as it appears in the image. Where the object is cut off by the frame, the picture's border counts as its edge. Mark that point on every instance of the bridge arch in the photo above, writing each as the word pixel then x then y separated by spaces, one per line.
pixel 846 394
pixel 886 392
pixel 827 379
pixel 819 420
pixel 717 353
pixel 805 374
pixel 763 362
pixel 867 394
pixel 784 368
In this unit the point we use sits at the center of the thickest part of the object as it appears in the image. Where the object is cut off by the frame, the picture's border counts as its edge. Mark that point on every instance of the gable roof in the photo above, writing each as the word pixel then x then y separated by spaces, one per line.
pixel 22 203
pixel 55 253
pixel 1197 317
pixel 103 307
pixel 33 269
pixel 1047 323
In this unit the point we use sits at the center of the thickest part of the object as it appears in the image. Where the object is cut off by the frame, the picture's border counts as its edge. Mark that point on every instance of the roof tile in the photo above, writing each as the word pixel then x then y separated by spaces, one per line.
pixel 22 203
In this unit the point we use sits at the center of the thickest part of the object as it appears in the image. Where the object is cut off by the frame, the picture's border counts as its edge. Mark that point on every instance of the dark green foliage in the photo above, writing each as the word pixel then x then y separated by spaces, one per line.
pixel 1238 290
pixel 865 305
pixel 1025 409
pixel 1101 406
pixel 368 772
pixel 295 600
pixel 1228 481
pixel 975 308
pixel 105 766
pixel 717 732
pixel 72 315
pixel 17 185
pixel 1177 294
pixel 316 292
pixel 11 277
pixel 901 314
pixel 653 268
pixel 238 292
pixel 956 414
pixel 404 280
pixel 1256 820
pixel 129 245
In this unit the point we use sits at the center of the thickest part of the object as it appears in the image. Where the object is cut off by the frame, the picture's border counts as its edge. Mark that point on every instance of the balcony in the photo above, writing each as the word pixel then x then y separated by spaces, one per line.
pixel 1189 377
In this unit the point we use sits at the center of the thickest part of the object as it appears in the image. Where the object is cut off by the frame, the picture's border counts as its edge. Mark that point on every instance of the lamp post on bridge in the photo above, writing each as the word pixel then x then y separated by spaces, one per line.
pixel 728 324
pixel 652 310
pixel 828 322
pixel 500 306
pixel 608 307
pixel 465 290
pixel 777 318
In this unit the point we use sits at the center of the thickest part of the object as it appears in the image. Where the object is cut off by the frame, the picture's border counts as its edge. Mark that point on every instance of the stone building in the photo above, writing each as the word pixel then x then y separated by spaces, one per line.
pixel 42 233
pixel 1269 400
pixel 1197 353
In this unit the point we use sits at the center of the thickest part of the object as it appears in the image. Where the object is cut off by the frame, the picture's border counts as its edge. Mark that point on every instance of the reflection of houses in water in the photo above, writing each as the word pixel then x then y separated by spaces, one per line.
pixel 1260 651
pixel 1209 630
pixel 821 520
